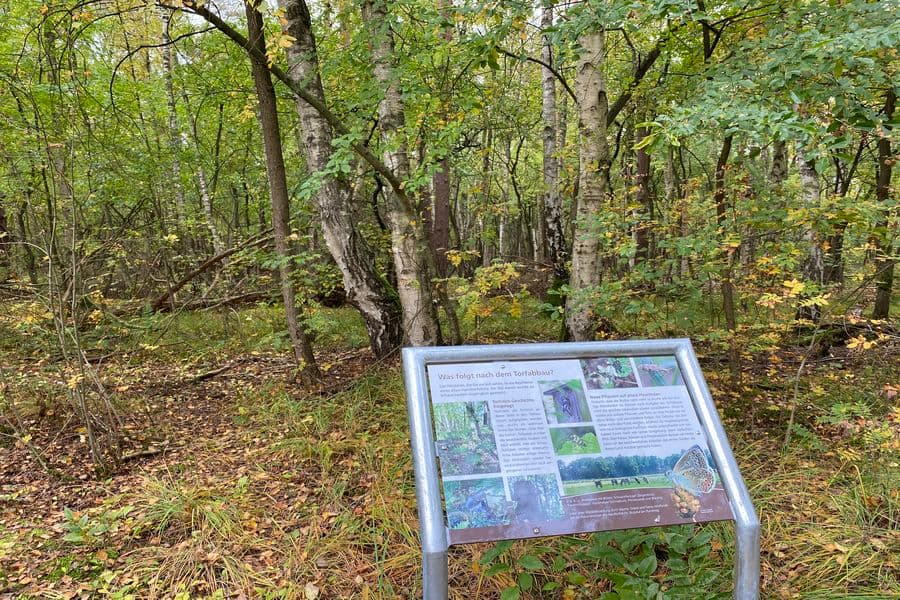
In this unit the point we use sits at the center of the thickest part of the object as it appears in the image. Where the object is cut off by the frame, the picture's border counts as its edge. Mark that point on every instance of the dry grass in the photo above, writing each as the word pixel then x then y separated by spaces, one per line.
pixel 288 495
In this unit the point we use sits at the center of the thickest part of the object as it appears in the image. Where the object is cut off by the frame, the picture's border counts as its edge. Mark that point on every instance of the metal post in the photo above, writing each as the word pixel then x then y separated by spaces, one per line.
pixel 746 522
pixel 428 493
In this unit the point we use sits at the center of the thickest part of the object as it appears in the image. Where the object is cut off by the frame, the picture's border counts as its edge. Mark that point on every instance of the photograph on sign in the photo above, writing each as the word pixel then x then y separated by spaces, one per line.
pixel 535 448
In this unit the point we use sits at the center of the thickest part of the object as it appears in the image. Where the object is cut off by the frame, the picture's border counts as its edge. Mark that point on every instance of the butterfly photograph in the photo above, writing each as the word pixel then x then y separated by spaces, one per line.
pixel 693 473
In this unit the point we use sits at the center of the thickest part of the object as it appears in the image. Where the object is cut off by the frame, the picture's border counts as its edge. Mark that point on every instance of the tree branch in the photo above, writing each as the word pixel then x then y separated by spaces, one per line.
pixel 640 71
pixel 556 73
pixel 208 264
pixel 298 90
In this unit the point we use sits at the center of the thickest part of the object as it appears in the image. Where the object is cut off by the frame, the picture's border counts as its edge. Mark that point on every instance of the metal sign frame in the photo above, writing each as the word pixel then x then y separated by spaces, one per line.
pixel 432 526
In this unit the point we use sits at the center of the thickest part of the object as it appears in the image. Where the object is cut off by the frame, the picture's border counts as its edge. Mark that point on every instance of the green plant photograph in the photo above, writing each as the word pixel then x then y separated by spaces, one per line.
pixel 464 438
pixel 574 440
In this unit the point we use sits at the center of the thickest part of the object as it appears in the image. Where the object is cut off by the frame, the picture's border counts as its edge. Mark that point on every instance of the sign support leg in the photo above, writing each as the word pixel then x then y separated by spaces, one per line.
pixel 434 576
pixel 746 562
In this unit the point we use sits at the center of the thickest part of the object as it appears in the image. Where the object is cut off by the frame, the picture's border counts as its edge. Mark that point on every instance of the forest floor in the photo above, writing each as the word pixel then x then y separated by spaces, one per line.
pixel 243 484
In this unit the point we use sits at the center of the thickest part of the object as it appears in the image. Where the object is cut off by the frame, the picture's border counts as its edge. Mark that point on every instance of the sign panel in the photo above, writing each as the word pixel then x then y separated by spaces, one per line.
pixel 545 439
pixel 531 448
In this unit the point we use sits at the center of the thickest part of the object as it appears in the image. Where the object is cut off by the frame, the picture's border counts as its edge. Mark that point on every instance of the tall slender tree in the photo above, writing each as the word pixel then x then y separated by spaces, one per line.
pixel 886 258
pixel 593 184
pixel 554 232
pixel 278 194
pixel 412 254
pixel 366 289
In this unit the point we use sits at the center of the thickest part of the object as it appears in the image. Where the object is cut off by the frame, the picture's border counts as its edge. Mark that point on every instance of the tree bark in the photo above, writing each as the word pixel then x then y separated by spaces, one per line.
pixel 884 259
pixel 676 201
pixel 413 258
pixel 278 194
pixel 6 241
pixel 719 196
pixel 813 267
pixel 728 292
pixel 440 216
pixel 778 174
pixel 593 185
pixel 644 199
pixel 439 231
pixel 555 239
pixel 172 115
pixel 366 289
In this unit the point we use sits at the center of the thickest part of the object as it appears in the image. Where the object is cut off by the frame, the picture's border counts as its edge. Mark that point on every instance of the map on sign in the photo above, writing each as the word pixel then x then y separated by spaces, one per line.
pixel 549 447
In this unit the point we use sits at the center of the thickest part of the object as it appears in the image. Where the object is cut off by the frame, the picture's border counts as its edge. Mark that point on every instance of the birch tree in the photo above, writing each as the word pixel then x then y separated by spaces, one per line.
pixel 555 240
pixel 334 197
pixel 409 240
pixel 593 184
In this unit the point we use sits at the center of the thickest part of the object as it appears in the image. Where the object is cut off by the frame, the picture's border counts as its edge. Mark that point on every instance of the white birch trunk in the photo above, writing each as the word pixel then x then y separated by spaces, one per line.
pixel 174 133
pixel 365 288
pixel 593 185
pixel 553 225
pixel 409 240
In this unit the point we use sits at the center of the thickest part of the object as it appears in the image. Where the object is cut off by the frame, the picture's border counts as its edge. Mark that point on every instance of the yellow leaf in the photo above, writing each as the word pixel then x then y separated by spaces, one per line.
pixel 794 287
pixel 515 309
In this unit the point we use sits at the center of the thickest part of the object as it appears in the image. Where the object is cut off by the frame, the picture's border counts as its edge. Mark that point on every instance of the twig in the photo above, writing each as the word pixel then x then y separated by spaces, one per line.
pixel 214 372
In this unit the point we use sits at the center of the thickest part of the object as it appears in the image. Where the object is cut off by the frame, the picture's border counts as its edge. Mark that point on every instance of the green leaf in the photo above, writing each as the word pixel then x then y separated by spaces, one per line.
pixel 510 593
pixel 645 567
pixel 498 549
pixel 531 562
pixel 526 580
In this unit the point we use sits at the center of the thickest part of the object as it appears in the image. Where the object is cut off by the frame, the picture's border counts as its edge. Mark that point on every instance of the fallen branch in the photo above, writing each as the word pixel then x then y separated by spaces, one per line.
pixel 206 265
pixel 214 372
pixel 209 303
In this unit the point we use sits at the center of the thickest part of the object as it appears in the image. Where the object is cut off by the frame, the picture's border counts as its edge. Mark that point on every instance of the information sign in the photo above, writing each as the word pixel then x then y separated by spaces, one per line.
pixel 533 448
pixel 550 439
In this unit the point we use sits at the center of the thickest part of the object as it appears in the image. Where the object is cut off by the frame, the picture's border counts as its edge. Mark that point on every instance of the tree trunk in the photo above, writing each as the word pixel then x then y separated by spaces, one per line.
pixel 555 239
pixel 413 259
pixel 813 268
pixel 205 193
pixel 644 200
pixel 676 202
pixel 6 242
pixel 278 194
pixel 728 294
pixel 719 195
pixel 593 185
pixel 439 232
pixel 30 260
pixel 486 233
pixel 366 289
pixel 884 259
pixel 778 174
pixel 174 133
pixel 440 216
